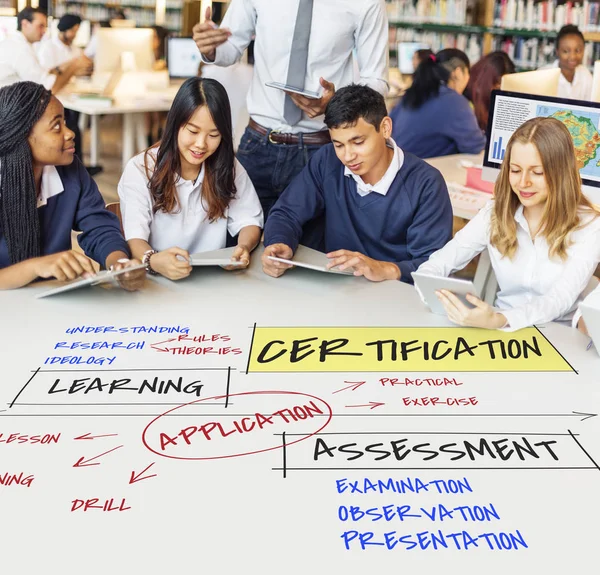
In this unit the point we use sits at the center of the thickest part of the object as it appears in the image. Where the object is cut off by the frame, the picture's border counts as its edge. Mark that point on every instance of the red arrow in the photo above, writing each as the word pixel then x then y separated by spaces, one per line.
pixel 164 349
pixel 90 436
pixel 86 462
pixel 355 385
pixel 371 404
pixel 139 477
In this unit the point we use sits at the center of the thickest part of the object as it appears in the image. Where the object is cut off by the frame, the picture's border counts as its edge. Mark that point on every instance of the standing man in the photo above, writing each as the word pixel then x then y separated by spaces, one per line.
pixel 307 44
pixel 19 62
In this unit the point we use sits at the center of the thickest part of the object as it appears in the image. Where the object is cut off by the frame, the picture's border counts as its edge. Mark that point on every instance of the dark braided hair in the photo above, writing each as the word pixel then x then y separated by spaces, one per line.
pixel 21 106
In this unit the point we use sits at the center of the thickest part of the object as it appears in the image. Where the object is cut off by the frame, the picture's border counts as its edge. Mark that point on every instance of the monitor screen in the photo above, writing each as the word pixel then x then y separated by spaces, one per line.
pixel 127 47
pixel 508 110
pixel 183 57
pixel 406 51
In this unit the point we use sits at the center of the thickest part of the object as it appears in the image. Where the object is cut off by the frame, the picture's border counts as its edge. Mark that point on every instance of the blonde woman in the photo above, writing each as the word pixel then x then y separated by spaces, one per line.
pixel 542 234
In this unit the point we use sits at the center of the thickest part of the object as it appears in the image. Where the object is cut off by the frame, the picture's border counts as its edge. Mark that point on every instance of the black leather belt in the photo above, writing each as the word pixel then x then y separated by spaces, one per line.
pixel 309 138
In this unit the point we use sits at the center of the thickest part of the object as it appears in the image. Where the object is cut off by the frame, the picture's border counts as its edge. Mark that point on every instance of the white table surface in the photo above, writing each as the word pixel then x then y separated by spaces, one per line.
pixel 229 514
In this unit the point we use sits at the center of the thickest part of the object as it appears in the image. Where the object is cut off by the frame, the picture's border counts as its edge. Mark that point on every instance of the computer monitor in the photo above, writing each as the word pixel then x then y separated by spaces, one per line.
pixel 508 110
pixel 8 25
pixel 113 43
pixel 541 82
pixel 406 51
pixel 183 57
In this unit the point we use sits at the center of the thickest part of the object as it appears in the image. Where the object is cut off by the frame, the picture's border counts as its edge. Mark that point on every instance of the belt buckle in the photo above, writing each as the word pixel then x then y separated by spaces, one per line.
pixel 273 132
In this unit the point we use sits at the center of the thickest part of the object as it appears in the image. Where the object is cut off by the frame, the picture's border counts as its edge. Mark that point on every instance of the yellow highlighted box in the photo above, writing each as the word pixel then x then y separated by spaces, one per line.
pixel 356 349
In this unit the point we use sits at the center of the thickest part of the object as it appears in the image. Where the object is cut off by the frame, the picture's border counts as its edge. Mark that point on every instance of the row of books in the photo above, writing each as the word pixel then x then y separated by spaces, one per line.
pixel 547 15
pixel 142 17
pixel 148 4
pixel 532 53
pixel 431 11
pixel 470 44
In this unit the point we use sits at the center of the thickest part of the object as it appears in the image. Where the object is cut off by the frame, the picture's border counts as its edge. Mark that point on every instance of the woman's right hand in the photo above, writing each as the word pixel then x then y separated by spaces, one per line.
pixel 63 266
pixel 173 263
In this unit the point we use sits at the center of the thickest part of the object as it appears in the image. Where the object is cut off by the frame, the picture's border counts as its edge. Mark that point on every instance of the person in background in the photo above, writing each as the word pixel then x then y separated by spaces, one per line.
pixel 58 53
pixel 385 210
pixel 575 80
pixel 155 120
pixel 421 55
pixel 18 60
pixel 185 194
pixel 541 232
pixel 307 44
pixel 485 77
pixel 434 118
pixel 45 193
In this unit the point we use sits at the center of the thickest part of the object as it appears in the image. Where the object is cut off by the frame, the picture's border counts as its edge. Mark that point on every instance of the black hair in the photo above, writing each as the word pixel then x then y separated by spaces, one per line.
pixel 21 106
pixel 68 21
pixel 28 14
pixel 432 73
pixel 353 102
pixel 162 34
pixel 568 30
pixel 218 187
pixel 424 53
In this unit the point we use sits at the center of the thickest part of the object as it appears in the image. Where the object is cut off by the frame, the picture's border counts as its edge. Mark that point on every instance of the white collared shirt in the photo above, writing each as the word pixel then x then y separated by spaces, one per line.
pixel 52 52
pixel 534 289
pixel 19 62
pixel 581 86
pixel 338 27
pixel 188 228
pixel 383 185
pixel 51 185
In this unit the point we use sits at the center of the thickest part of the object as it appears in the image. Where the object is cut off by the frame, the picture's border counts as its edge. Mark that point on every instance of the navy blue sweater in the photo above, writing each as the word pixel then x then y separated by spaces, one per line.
pixel 443 125
pixel 408 224
pixel 79 207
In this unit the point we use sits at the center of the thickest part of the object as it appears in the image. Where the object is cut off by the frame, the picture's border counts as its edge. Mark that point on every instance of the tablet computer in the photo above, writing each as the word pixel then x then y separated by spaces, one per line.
pixel 101 277
pixel 428 284
pixel 301 91
pixel 312 260
pixel 591 315
pixel 215 258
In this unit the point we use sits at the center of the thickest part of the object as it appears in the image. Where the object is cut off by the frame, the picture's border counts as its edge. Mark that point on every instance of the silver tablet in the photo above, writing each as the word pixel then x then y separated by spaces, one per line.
pixel 428 284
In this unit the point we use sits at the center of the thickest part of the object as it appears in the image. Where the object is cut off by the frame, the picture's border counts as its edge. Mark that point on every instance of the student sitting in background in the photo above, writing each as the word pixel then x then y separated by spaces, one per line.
pixel 44 195
pixel 19 62
pixel 541 232
pixel 385 211
pixel 485 77
pixel 183 195
pixel 575 80
pixel 433 118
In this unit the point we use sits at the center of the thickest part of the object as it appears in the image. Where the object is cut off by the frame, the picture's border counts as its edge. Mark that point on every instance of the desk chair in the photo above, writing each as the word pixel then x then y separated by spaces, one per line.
pixel 115 208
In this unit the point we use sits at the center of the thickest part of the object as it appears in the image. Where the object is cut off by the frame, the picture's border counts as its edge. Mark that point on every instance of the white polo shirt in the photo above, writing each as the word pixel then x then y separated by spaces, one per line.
pixel 19 63
pixel 52 52
pixel 188 228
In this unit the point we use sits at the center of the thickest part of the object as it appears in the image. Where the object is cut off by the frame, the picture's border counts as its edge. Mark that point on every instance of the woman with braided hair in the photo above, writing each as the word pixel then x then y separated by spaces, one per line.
pixel 45 193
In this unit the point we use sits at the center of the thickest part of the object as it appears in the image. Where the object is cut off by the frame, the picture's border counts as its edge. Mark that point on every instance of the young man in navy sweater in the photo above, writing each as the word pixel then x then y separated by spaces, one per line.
pixel 384 211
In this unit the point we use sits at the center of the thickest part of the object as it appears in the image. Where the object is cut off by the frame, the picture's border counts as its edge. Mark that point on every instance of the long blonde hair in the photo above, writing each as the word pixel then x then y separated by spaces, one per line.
pixel 565 199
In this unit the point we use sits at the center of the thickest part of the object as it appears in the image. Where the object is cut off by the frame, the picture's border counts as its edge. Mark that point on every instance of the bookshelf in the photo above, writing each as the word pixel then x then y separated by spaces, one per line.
pixel 525 29
pixel 142 11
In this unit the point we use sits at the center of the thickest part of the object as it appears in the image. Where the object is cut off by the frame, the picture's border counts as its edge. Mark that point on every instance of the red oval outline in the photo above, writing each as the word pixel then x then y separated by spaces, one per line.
pixel 237 454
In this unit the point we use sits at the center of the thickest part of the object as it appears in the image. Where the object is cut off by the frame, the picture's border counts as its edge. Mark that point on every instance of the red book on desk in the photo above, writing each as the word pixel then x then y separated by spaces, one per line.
pixel 474 181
